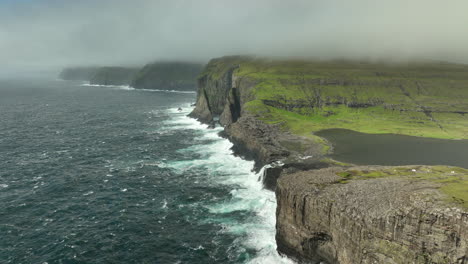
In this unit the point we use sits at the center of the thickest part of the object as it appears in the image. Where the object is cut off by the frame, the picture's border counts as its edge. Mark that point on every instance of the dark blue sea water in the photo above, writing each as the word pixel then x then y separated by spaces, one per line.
pixel 115 175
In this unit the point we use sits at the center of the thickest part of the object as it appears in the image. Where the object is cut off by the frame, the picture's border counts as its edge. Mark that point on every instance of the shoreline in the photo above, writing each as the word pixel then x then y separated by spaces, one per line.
pixel 247 187
pixel 225 94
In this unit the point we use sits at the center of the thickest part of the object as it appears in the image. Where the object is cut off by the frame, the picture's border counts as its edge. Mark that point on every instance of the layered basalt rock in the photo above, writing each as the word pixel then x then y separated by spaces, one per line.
pixel 403 218
pixel 334 214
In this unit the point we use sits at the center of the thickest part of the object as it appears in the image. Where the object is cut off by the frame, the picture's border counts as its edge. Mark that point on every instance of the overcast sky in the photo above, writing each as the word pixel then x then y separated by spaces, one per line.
pixel 53 33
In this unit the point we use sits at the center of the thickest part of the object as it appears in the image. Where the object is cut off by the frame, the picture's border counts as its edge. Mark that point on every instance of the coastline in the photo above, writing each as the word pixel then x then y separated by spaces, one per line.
pixel 227 97
pixel 246 194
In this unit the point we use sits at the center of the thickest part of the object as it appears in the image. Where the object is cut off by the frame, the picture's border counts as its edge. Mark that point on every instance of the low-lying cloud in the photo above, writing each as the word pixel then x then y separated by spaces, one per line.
pixel 52 33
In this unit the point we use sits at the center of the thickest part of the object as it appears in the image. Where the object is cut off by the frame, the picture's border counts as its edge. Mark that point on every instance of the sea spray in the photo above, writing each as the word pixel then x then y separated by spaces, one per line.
pixel 257 233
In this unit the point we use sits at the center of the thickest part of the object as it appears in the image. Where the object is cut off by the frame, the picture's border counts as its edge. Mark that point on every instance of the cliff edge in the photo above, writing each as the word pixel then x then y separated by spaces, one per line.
pixel 327 210
pixel 411 214
pixel 225 90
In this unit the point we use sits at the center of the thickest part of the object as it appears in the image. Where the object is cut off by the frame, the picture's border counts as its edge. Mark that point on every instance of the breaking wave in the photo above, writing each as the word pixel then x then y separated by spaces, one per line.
pixel 247 194
pixel 129 88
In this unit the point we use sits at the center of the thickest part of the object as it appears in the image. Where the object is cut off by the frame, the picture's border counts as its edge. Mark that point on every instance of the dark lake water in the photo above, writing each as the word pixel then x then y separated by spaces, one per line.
pixel 115 175
pixel 390 149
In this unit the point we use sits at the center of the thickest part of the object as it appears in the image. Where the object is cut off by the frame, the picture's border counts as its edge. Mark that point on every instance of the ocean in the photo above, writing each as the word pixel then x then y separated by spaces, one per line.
pixel 92 174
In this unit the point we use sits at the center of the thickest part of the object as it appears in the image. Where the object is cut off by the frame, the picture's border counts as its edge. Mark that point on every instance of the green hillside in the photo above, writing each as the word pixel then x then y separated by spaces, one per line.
pixel 419 99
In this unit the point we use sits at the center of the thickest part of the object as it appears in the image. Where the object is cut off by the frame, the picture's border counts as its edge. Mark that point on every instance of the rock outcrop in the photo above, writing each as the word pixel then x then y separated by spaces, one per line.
pixel 214 88
pixel 372 215
pixel 168 76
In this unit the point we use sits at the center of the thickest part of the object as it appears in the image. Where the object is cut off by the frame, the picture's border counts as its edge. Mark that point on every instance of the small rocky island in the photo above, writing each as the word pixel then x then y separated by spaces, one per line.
pixel 332 211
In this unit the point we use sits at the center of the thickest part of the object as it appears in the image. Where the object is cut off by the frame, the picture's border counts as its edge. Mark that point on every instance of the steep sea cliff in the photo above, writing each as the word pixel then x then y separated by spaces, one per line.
pixel 331 211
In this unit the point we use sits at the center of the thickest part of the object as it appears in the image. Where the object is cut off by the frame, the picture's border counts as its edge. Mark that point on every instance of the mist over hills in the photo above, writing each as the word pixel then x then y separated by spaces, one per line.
pixel 54 34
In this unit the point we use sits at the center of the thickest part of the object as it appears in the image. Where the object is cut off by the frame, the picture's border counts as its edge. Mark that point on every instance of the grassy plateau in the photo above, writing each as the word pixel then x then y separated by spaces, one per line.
pixel 417 99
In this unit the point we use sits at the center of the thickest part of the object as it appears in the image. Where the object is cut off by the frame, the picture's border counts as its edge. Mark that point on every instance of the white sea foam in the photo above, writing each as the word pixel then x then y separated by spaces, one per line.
pixel 164 206
pixel 3 185
pixel 182 122
pixel 129 88
pixel 120 87
pixel 247 193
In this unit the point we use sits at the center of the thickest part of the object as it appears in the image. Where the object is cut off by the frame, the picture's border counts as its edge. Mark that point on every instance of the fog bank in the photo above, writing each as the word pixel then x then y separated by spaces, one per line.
pixel 52 33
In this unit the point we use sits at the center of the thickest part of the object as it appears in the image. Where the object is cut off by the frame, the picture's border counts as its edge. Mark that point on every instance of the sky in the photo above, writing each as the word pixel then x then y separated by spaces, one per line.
pixel 56 33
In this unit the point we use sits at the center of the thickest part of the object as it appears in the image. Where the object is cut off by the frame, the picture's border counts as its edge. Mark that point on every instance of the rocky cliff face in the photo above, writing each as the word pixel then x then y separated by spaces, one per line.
pixel 167 76
pixel 216 90
pixel 223 92
pixel 401 217
pixel 338 214
pixel 221 95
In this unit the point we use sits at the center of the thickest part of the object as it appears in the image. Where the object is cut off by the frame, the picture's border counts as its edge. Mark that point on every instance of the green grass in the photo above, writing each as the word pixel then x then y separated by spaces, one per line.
pixel 374 120
pixel 397 96
pixel 453 181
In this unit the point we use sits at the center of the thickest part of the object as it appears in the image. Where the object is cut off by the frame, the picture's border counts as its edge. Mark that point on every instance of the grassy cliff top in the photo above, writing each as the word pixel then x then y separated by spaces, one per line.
pixel 418 99
pixel 452 181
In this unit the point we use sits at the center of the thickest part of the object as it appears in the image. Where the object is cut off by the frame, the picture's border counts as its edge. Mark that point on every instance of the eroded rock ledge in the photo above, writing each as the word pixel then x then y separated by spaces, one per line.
pixel 373 215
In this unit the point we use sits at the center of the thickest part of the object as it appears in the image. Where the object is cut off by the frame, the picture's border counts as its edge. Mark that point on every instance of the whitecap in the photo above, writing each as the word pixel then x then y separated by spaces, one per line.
pixel 164 206
pixel 200 247
pixel 181 121
pixel 3 185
